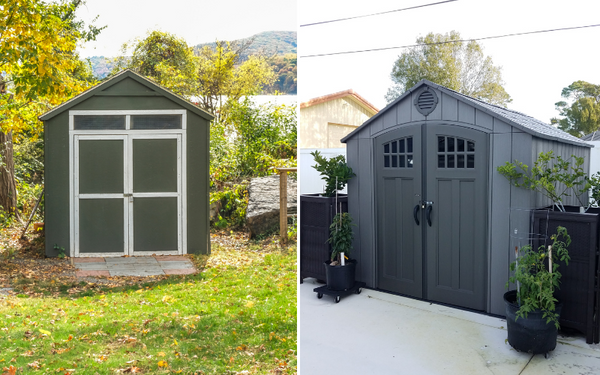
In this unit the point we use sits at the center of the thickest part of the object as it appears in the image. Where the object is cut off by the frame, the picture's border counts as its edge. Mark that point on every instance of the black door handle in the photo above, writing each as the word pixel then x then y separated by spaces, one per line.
pixel 415 212
pixel 428 214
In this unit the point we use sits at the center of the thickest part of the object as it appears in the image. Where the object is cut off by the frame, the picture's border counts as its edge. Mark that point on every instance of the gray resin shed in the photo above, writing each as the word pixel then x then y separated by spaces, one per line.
pixel 127 172
pixel 432 213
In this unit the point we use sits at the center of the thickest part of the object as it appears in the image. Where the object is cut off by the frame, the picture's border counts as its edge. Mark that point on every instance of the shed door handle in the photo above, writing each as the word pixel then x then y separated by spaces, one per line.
pixel 415 212
pixel 428 214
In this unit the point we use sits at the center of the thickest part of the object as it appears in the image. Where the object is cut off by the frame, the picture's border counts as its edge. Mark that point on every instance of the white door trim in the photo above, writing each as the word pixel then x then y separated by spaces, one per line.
pixel 127 135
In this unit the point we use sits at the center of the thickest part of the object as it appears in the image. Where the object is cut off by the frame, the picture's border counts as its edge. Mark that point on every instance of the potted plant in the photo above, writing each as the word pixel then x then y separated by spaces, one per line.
pixel 334 170
pixel 340 269
pixel 557 179
pixel 532 311
pixel 317 212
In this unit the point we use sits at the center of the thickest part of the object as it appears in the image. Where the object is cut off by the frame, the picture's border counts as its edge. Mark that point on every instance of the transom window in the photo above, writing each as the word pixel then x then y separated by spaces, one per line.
pixel 455 152
pixel 398 153
pixel 127 120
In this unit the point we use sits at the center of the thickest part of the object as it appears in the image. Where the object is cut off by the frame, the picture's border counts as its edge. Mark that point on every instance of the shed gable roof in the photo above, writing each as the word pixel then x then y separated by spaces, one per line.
pixel 519 120
pixel 126 83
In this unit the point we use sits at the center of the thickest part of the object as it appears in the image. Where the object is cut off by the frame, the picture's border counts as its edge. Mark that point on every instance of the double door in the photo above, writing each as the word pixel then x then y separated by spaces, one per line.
pixel 431 211
pixel 127 194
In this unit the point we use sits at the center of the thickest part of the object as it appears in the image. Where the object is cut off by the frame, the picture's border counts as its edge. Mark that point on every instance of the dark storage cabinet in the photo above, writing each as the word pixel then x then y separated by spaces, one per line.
pixel 578 288
pixel 316 215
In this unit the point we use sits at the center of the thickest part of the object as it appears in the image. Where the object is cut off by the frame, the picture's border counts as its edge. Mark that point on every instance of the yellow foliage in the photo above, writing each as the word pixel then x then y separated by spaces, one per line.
pixel 37 62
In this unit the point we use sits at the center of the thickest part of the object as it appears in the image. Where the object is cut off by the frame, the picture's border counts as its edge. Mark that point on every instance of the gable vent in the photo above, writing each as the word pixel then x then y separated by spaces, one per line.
pixel 426 101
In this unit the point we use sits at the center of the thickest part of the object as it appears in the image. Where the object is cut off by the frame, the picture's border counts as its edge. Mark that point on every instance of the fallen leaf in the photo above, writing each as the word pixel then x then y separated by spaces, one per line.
pixel 163 364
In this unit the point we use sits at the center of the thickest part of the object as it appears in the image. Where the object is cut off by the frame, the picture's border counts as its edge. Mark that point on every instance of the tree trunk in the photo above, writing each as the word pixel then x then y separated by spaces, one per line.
pixel 8 190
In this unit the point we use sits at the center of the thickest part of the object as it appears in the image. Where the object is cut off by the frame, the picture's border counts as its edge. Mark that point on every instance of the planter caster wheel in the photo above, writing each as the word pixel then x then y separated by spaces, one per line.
pixel 546 355
pixel 320 295
pixel 337 299
pixel 358 291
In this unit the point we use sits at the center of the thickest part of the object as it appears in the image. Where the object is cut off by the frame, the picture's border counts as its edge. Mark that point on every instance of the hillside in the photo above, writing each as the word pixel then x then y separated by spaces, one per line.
pixel 268 43
pixel 281 46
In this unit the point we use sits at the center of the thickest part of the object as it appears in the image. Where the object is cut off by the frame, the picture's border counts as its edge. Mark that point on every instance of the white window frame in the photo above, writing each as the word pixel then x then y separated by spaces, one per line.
pixel 128 135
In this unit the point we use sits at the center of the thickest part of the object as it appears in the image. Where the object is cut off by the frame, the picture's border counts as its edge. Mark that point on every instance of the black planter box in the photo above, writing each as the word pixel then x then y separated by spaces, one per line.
pixel 578 282
pixel 316 215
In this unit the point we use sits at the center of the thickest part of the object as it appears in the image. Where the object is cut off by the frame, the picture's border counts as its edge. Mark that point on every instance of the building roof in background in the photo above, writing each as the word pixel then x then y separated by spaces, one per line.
pixel 351 94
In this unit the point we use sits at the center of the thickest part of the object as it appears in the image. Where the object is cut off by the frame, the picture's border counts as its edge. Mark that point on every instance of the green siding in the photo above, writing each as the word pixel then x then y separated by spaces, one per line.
pixel 154 165
pixel 198 225
pixel 56 134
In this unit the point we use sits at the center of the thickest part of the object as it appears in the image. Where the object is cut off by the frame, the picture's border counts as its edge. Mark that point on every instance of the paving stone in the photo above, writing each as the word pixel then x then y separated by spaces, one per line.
pixel 88 260
pixel 129 260
pixel 175 265
pixel 137 272
pixel 184 271
pixel 162 258
pixel 92 273
pixel 91 266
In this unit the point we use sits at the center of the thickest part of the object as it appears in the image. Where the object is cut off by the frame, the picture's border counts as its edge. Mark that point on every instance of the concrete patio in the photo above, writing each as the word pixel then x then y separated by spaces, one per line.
pixel 134 266
pixel 381 333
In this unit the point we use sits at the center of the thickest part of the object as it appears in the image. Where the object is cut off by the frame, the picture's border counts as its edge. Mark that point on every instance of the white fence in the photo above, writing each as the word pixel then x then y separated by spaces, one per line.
pixel 310 180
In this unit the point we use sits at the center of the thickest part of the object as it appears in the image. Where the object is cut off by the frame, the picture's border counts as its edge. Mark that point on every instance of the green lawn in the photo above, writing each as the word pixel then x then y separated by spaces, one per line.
pixel 237 316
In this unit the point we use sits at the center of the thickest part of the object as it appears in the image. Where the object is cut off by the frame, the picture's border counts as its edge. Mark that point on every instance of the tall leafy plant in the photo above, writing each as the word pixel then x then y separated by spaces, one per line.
pixel 552 176
pixel 536 274
pixel 340 236
pixel 335 171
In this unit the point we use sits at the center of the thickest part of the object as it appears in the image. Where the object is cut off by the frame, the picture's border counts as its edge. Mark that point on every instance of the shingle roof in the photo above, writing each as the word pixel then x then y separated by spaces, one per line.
pixel 595 136
pixel 519 120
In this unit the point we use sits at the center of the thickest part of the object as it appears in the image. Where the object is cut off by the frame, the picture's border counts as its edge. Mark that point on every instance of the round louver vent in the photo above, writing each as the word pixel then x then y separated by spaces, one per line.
pixel 426 101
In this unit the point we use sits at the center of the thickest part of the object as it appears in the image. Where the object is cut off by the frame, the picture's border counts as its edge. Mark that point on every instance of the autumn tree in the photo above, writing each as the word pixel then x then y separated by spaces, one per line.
pixel 448 61
pixel 164 58
pixel 582 116
pixel 39 68
pixel 222 78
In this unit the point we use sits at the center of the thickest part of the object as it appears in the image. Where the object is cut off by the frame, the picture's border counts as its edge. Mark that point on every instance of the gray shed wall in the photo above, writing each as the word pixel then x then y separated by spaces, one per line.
pixel 506 143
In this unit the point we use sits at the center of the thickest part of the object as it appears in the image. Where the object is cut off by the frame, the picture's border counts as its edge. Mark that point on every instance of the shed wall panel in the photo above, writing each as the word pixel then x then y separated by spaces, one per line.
pixel 466 113
pixel 126 102
pixel 520 199
pixel 57 202
pixel 198 225
pixel 389 120
pixel 366 225
pixel 377 126
pixel 353 160
pixel 501 127
pixel 449 108
pixel 484 120
pixel 404 109
pixel 499 216
pixel 128 85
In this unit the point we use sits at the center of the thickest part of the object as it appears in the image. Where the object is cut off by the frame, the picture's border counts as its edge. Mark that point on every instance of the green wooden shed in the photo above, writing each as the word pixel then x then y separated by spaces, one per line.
pixel 127 172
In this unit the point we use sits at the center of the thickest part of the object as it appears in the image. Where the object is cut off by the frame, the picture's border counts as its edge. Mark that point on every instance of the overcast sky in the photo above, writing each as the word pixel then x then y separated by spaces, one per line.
pixel 535 67
pixel 196 21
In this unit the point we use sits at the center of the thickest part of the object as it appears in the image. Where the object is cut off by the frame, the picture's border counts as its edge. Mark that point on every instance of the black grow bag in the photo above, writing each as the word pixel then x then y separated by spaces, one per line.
pixel 340 277
pixel 531 334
